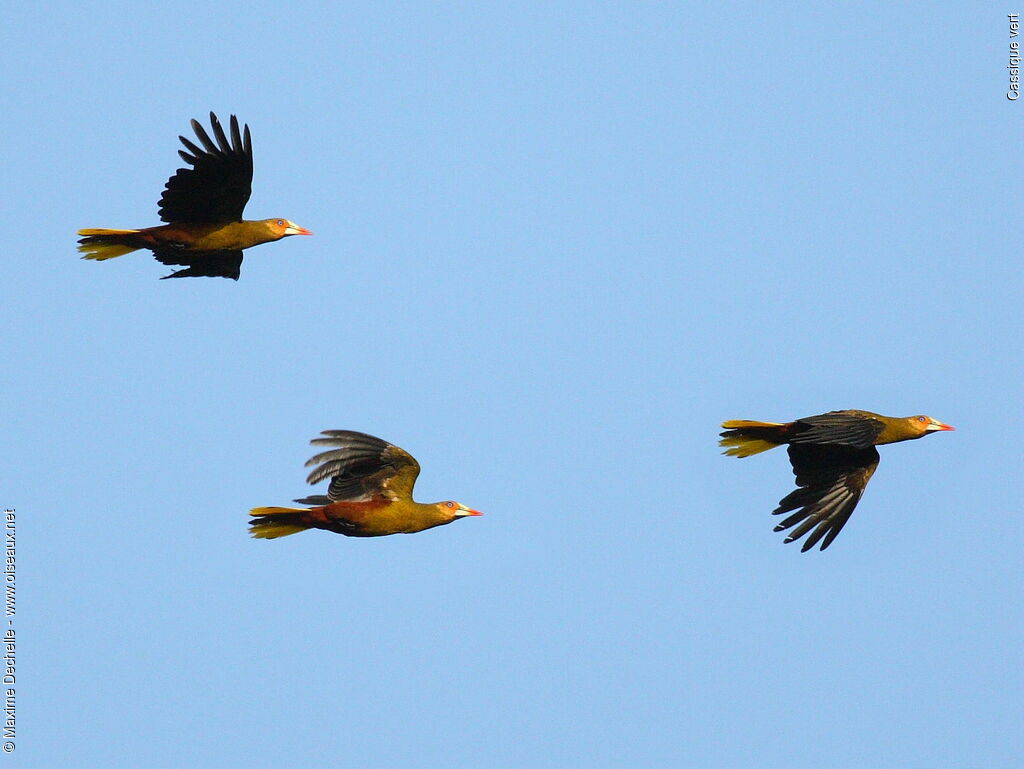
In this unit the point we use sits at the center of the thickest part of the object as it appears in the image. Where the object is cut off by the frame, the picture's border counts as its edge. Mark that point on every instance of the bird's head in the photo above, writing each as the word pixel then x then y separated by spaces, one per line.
pixel 453 510
pixel 283 227
pixel 922 425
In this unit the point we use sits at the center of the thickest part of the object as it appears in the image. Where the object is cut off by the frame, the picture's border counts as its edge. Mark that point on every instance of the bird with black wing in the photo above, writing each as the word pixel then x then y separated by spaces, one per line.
pixel 202 205
pixel 833 457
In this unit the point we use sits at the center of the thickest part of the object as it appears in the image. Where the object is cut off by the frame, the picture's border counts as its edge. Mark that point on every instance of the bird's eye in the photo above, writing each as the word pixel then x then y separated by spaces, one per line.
pixel 920 419
pixel 449 504
pixel 280 222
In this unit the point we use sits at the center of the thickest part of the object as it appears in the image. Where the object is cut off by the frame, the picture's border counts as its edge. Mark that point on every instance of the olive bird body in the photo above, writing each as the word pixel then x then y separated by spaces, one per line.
pixel 370 493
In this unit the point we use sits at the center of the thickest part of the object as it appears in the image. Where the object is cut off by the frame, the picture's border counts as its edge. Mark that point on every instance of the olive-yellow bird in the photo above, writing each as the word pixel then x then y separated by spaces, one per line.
pixel 833 457
pixel 370 494
pixel 202 205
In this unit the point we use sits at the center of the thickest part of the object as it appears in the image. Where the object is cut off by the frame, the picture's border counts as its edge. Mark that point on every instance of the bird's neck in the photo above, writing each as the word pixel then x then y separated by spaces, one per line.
pixel 255 232
pixel 898 429
pixel 232 236
pixel 417 516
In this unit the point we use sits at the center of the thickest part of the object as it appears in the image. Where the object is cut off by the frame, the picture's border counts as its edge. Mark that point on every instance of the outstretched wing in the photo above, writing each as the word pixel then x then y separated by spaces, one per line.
pixel 201 264
pixel 219 182
pixel 362 467
pixel 831 481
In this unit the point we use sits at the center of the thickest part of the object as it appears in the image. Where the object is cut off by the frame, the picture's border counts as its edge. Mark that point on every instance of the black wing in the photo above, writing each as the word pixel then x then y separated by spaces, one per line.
pixel 201 264
pixel 219 182
pixel 363 467
pixel 837 428
pixel 831 482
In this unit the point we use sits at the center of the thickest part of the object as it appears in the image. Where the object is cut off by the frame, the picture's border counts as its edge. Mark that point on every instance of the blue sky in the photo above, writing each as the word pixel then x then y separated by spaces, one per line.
pixel 556 245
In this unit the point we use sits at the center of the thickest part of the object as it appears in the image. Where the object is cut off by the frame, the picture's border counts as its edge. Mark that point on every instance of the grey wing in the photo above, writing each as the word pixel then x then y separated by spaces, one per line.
pixel 361 467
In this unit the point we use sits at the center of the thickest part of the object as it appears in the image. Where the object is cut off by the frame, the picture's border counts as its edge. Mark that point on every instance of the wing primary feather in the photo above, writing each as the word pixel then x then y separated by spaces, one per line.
pixel 337 472
pixel 834 532
pixel 218 133
pixel 345 456
pixel 815 535
pixel 354 466
pixel 191 147
pixel 346 442
pixel 204 137
pixel 348 435
pixel 236 138
pixel 806 526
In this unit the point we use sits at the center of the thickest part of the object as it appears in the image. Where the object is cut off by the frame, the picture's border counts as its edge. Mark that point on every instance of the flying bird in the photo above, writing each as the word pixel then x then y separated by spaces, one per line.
pixel 370 494
pixel 833 457
pixel 202 205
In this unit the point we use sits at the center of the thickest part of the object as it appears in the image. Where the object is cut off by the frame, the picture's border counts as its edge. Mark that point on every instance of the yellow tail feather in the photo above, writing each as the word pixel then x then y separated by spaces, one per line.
pixel 103 251
pixel 745 447
pixel 272 529
pixel 256 512
pixel 740 445
pixel 96 231
pixel 100 251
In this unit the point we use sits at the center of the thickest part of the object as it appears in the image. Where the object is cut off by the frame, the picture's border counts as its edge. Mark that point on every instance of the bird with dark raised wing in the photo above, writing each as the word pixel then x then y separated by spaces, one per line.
pixel 202 205
pixel 370 494
pixel 833 457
